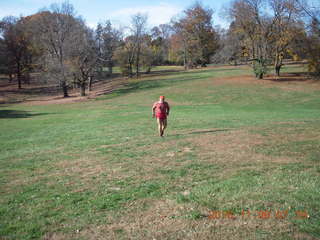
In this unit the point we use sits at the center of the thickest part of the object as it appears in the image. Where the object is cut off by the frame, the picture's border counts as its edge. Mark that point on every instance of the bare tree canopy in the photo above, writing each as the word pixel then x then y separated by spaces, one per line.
pixel 57 30
pixel 138 29
pixel 268 27
pixel 57 42
pixel 108 40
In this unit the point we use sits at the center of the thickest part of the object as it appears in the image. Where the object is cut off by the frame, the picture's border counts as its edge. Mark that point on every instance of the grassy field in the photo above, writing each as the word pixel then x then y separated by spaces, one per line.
pixel 240 160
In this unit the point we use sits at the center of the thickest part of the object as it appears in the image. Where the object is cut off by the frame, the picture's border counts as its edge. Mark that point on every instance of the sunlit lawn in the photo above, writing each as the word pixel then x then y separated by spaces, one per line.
pixel 97 170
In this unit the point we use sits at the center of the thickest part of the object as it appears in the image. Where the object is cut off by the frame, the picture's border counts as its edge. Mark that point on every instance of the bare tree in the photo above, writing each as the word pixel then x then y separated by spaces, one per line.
pixel 231 49
pixel 83 57
pixel 138 30
pixel 284 25
pixel 6 61
pixel 99 43
pixel 149 55
pixel 128 53
pixel 161 43
pixel 17 46
pixel 183 38
pixel 125 55
pixel 312 40
pixel 57 33
pixel 108 39
pixel 248 19
pixel 269 27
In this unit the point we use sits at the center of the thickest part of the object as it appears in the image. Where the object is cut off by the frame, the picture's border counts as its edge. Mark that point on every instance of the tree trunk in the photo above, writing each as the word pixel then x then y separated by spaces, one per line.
pixel 137 64
pixel 277 68
pixel 253 54
pixel 100 72
pixel 148 70
pixel 185 58
pixel 65 89
pixel 278 64
pixel 110 69
pixel 27 78
pixel 19 76
pixel 82 89
pixel 260 76
pixel 19 80
pixel 130 70
pixel 90 83
pixel 64 82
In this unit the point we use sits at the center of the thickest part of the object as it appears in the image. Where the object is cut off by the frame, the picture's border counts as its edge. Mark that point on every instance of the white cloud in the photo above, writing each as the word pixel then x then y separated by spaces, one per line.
pixel 157 14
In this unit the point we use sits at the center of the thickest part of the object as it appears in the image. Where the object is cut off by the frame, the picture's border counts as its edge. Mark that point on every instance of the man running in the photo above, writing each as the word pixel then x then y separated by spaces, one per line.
pixel 161 110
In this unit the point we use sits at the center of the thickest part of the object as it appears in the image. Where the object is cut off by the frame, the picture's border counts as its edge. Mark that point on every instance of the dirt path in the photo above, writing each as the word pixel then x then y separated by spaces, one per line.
pixel 37 94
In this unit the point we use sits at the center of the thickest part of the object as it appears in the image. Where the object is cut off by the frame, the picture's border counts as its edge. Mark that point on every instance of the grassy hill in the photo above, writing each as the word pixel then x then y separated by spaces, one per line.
pixel 240 160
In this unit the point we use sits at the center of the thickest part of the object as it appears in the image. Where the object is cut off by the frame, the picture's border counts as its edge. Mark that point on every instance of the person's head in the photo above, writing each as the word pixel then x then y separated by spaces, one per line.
pixel 161 98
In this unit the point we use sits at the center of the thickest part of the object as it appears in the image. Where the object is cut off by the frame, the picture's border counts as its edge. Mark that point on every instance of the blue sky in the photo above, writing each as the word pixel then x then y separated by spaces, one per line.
pixel 118 11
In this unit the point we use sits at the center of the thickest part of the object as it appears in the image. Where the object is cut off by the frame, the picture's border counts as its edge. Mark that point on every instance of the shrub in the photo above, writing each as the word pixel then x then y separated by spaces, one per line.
pixel 260 67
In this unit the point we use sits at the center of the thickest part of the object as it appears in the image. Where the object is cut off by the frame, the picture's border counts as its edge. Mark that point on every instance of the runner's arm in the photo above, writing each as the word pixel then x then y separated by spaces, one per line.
pixel 153 108
pixel 168 109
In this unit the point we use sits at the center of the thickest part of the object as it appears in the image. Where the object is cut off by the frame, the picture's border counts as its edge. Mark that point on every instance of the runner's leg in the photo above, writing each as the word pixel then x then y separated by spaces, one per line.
pixel 159 121
pixel 164 126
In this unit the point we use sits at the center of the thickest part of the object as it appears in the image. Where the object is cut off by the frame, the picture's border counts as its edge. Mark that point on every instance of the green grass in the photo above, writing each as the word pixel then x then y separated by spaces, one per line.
pixel 230 146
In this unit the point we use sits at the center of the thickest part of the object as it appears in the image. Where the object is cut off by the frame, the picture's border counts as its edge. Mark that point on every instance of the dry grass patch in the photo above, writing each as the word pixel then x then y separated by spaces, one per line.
pixel 233 147
pixel 287 82
pixel 165 219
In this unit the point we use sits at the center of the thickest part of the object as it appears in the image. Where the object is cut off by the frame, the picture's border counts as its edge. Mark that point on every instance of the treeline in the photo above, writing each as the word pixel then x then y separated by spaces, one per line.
pixel 267 31
pixel 59 44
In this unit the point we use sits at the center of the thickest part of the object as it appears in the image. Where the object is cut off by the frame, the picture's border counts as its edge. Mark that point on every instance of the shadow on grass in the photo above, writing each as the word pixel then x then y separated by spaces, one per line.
pixel 201 132
pixel 195 71
pixel 174 76
pixel 33 90
pixel 18 114
pixel 290 77
pixel 208 131
pixel 149 84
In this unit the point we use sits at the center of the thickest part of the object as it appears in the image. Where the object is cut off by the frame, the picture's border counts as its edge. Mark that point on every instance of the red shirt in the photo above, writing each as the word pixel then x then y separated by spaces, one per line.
pixel 161 109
